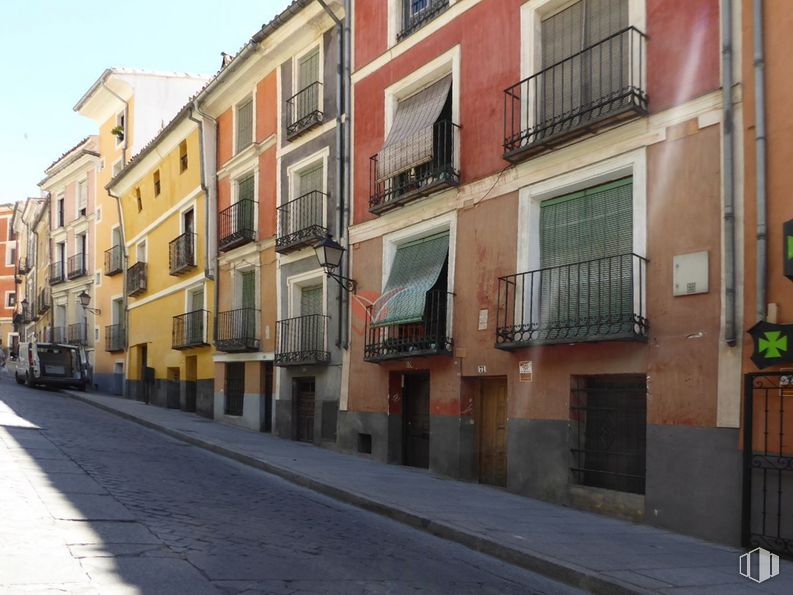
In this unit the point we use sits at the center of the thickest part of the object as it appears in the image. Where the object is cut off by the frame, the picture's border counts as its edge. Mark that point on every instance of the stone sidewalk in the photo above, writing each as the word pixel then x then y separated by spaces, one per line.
pixel 593 552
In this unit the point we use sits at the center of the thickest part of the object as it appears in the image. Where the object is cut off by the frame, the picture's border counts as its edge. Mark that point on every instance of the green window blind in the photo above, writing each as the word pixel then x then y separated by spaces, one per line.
pixel 414 272
pixel 248 289
pixel 586 241
pixel 244 124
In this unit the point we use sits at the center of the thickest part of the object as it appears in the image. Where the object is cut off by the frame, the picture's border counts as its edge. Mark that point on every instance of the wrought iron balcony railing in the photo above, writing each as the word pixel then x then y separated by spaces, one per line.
pixel 596 300
pixel 181 253
pixel 594 88
pixel 59 334
pixel 114 261
pixel 24 266
pixel 56 273
pixel 189 330
pixel 44 300
pixel 76 266
pixel 115 337
pixel 136 279
pixel 237 225
pixel 301 341
pixel 77 334
pixel 435 174
pixel 417 13
pixel 236 330
pixel 303 110
pixel 301 222
pixel 431 336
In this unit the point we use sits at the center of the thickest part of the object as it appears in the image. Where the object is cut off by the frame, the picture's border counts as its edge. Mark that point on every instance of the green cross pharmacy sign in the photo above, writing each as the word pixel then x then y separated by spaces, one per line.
pixel 787 241
pixel 773 344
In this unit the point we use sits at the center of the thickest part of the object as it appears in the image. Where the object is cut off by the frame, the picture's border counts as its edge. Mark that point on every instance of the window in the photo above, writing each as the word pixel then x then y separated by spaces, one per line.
pixel 98 214
pixel 82 198
pixel 586 261
pixel 183 156
pixel 11 256
pixel 157 183
pixel 417 13
pixel 11 299
pixel 120 129
pixel 244 124
pixel 59 212
pixel 418 155
pixel 138 199
pixel 609 418
pixel 304 108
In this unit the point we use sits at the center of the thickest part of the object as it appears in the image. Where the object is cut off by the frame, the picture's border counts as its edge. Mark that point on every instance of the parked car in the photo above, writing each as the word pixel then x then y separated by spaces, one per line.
pixel 52 364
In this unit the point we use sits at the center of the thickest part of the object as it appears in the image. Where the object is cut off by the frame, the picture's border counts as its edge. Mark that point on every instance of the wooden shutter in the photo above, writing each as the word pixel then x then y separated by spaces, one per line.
pixel 311 300
pixel 244 124
pixel 248 289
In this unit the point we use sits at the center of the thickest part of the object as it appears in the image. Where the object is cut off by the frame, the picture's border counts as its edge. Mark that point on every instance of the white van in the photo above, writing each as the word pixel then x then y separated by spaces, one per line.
pixel 52 364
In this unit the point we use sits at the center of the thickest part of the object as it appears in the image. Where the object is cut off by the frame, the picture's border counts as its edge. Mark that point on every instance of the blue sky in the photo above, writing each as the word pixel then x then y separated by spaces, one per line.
pixel 53 50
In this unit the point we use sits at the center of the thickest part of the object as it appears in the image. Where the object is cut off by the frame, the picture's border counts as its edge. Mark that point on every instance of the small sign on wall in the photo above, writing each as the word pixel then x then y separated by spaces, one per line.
pixel 526 371
pixel 483 319
pixel 481 369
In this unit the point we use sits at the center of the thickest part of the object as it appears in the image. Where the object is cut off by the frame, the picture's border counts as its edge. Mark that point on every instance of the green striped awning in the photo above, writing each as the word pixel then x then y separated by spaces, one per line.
pixel 415 271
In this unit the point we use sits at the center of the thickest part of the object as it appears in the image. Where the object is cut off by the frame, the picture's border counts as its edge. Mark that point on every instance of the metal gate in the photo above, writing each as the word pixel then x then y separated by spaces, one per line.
pixel 768 462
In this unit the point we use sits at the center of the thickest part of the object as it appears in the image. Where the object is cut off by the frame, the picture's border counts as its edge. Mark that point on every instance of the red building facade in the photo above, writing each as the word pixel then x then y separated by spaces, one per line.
pixel 540 297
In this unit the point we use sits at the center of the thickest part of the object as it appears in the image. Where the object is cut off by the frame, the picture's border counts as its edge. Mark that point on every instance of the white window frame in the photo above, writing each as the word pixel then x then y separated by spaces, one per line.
pixel 113 300
pixel 433 71
pixel 294 285
pixel 442 224
pixel 9 247
pixel 235 194
pixel 145 245
pixel 318 42
pixel 395 21
pixel 8 294
pixel 530 200
pixel 82 183
pixel 60 197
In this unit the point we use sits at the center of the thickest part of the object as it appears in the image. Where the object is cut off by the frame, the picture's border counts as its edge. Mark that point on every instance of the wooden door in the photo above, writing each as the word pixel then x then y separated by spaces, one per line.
pixel 305 409
pixel 492 431
pixel 416 420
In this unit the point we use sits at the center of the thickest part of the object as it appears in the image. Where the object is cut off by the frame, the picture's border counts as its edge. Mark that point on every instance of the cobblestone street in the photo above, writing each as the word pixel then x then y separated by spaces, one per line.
pixel 93 503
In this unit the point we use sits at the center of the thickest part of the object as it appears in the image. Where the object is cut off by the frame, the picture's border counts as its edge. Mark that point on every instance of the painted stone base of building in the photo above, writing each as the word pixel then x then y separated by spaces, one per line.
pixel 111 384
pixel 242 394
pixel 196 396
pixel 693 475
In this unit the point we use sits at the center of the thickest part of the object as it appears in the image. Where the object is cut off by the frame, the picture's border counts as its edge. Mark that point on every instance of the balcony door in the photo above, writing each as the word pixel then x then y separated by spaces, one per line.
pixel 312 323
pixel 248 303
pixel 582 64
pixel 307 75
pixel 310 184
pixel 194 327
pixel 586 245
pixel 188 224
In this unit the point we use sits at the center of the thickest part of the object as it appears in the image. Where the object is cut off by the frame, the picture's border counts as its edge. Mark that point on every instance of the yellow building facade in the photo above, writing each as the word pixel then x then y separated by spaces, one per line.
pixel 169 299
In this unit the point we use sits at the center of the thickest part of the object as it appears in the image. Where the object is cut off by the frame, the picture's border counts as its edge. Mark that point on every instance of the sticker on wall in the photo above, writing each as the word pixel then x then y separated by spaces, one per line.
pixel 526 371
pixel 483 319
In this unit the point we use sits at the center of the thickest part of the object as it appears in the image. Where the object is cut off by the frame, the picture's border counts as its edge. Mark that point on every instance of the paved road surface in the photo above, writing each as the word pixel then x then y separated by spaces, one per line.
pixel 96 504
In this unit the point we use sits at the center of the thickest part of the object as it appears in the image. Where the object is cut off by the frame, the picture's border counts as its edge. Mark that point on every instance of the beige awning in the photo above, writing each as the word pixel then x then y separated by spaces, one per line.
pixel 409 142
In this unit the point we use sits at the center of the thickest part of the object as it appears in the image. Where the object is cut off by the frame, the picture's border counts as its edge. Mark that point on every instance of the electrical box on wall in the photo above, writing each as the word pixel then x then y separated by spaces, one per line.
pixel 690 273
pixel 787 238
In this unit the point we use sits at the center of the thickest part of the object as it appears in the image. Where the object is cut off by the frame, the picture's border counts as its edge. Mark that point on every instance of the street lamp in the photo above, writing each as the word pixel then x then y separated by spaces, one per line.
pixel 84 300
pixel 329 253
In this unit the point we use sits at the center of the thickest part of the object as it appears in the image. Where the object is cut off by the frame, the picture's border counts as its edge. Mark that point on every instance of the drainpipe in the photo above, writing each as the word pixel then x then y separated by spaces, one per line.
pixel 728 170
pixel 340 186
pixel 210 192
pixel 346 196
pixel 760 157
pixel 124 298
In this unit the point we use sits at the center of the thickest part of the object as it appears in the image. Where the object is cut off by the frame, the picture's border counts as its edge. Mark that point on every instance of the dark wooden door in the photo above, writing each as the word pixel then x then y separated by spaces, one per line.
pixel 492 431
pixel 416 420
pixel 305 410
pixel 235 388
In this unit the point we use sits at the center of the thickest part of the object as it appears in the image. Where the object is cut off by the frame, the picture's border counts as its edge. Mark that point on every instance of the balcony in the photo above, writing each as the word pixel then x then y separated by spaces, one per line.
pixel 114 261
pixel 76 266
pixel 115 337
pixel 301 222
pixel 400 341
pixel 59 334
pixel 303 110
pixel 236 330
pixel 24 266
pixel 189 330
pixel 56 273
pixel 417 13
pixel 301 341
pixel 181 253
pixel 77 334
pixel 136 279
pixel 597 300
pixel 594 88
pixel 44 300
pixel 237 225
pixel 429 176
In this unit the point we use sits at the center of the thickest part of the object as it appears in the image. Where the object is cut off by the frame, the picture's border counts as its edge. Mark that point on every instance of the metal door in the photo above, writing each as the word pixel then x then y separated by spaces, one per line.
pixel 768 462
pixel 416 419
